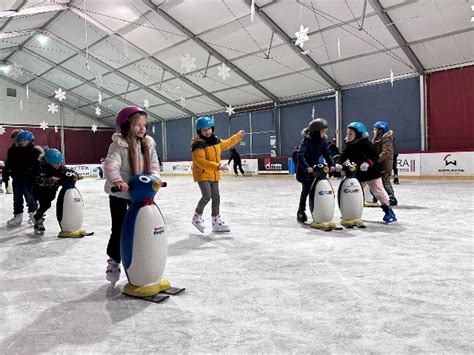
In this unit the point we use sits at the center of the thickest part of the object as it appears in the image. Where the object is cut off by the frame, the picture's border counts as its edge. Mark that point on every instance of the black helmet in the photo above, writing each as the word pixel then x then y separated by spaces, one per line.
pixel 317 125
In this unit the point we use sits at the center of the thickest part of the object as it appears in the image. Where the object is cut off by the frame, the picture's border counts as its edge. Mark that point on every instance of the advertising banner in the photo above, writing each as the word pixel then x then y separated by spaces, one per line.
pixel 273 165
pixel 177 167
pixel 409 164
pixel 447 164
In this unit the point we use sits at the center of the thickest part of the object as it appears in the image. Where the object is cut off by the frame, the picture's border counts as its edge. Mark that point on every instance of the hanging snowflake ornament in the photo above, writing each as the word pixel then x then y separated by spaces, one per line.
pixel 94 128
pixel 99 98
pixel 146 103
pixel 98 80
pixel 2 130
pixel 56 129
pixel 187 62
pixel 60 94
pixel 20 105
pixel 53 108
pixel 223 71
pixel 313 113
pixel 182 101
pixel 391 77
pixel 97 111
pixel 301 36
pixel 230 110
pixel 153 129
pixel 16 70
pixel 44 125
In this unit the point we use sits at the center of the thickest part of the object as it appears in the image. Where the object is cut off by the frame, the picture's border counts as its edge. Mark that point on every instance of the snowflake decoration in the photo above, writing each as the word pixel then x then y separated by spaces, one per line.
pixel 301 36
pixel 391 77
pixel 146 103
pixel 98 80
pixel 230 110
pixel 53 108
pixel 55 129
pixel 153 129
pixel 313 113
pixel 182 101
pixel 60 95
pixel 223 71
pixel 44 125
pixel 94 128
pixel 20 105
pixel 97 111
pixel 2 130
pixel 99 98
pixel 187 63
pixel 16 70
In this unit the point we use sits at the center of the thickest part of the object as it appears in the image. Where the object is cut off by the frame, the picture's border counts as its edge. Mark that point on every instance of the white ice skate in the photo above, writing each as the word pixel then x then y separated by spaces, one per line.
pixel 219 225
pixel 198 222
pixel 112 273
pixel 31 219
pixel 15 221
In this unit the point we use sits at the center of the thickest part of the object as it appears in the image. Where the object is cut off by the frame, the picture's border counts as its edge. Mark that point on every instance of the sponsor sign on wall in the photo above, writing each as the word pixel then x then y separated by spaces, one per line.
pixel 273 165
pixel 447 164
pixel 178 167
pixel 86 169
pixel 409 164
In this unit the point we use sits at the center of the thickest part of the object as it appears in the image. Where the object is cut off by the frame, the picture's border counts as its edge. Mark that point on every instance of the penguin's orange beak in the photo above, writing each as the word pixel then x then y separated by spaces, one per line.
pixel 156 185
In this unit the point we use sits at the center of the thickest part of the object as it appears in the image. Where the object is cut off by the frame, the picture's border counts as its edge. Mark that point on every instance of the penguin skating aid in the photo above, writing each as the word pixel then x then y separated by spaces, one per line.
pixel 321 200
pixel 144 243
pixel 351 198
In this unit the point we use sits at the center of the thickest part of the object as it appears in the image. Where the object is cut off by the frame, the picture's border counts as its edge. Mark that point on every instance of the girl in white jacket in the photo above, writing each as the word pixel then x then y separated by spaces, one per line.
pixel 131 152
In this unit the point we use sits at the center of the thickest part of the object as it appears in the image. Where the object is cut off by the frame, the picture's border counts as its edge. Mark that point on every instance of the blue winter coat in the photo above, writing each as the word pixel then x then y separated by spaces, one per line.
pixel 311 149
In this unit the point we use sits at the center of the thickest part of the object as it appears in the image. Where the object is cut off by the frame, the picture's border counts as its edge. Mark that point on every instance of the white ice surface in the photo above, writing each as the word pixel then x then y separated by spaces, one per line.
pixel 269 286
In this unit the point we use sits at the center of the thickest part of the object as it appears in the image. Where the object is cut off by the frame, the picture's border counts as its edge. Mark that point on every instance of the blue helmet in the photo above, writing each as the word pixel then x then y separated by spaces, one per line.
pixel 25 136
pixel 358 127
pixel 384 126
pixel 204 122
pixel 53 156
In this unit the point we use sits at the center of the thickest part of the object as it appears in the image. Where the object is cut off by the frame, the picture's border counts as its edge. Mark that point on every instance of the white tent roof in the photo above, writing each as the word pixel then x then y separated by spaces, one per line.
pixel 132 50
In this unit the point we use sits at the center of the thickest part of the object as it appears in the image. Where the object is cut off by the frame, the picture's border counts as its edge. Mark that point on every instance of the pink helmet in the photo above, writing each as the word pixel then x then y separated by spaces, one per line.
pixel 125 114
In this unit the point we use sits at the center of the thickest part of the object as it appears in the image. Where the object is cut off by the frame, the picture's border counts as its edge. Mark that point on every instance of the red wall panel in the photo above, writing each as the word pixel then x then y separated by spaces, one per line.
pixel 450 109
pixel 82 146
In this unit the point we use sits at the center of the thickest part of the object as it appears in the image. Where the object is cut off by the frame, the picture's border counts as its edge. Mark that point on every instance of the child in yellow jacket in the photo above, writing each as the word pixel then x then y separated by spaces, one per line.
pixel 206 152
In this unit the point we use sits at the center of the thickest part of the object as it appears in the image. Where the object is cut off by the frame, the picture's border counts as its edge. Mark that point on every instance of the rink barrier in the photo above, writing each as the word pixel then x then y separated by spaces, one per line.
pixel 419 165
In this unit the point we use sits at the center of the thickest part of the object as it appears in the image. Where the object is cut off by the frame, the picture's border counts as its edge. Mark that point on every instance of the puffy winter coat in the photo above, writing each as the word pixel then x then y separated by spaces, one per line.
pixel 207 157
pixel 362 151
pixel 117 164
pixel 308 155
pixel 22 161
pixel 384 145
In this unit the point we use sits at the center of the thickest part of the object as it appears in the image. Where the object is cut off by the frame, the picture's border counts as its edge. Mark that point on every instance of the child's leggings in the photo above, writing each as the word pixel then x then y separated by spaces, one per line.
pixel 376 186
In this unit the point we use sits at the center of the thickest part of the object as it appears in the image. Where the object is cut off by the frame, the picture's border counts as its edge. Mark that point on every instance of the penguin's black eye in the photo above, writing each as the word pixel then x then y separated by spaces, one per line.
pixel 69 174
pixel 144 179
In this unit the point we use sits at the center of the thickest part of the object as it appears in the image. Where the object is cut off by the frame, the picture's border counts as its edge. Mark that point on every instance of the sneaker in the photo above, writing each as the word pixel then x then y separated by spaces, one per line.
pixel 198 222
pixel 15 221
pixel 393 201
pixel 301 217
pixel 31 216
pixel 218 225
pixel 112 273
pixel 389 216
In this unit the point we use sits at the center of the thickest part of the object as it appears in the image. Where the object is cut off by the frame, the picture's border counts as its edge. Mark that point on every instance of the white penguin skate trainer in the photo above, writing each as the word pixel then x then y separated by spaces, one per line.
pixel 219 225
pixel 112 273
pixel 15 221
pixel 198 222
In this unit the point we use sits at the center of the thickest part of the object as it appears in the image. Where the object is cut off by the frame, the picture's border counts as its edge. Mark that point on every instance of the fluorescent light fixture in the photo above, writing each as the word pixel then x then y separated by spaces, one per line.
pixel 33 10
pixel 42 39
pixel 5 68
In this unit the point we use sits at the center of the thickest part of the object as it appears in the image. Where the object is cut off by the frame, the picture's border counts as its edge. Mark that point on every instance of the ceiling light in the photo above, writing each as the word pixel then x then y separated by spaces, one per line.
pixel 43 39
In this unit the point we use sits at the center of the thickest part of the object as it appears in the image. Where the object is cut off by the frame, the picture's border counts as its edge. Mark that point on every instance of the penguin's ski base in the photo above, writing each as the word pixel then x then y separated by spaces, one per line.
pixel 173 291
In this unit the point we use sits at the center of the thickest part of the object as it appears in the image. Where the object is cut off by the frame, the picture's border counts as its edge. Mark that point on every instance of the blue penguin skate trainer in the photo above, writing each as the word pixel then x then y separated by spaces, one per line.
pixel 144 245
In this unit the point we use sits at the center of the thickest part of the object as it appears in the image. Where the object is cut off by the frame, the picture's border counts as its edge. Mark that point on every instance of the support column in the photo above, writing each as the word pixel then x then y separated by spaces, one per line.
pixel 423 113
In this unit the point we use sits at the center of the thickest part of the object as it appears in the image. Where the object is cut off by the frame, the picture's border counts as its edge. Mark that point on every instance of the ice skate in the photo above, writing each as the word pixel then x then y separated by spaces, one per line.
pixel 39 227
pixel 112 273
pixel 395 180
pixel 15 221
pixel 393 201
pixel 219 225
pixel 301 217
pixel 198 222
pixel 31 218
pixel 389 216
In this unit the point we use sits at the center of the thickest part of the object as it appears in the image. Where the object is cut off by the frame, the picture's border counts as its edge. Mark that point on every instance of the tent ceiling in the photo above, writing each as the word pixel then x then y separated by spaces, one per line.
pixel 132 50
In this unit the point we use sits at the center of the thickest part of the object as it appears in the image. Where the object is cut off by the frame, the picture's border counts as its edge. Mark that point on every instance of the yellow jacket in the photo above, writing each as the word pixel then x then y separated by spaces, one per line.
pixel 207 158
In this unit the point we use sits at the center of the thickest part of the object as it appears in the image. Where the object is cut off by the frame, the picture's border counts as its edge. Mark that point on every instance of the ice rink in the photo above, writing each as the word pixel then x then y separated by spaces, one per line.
pixel 269 286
